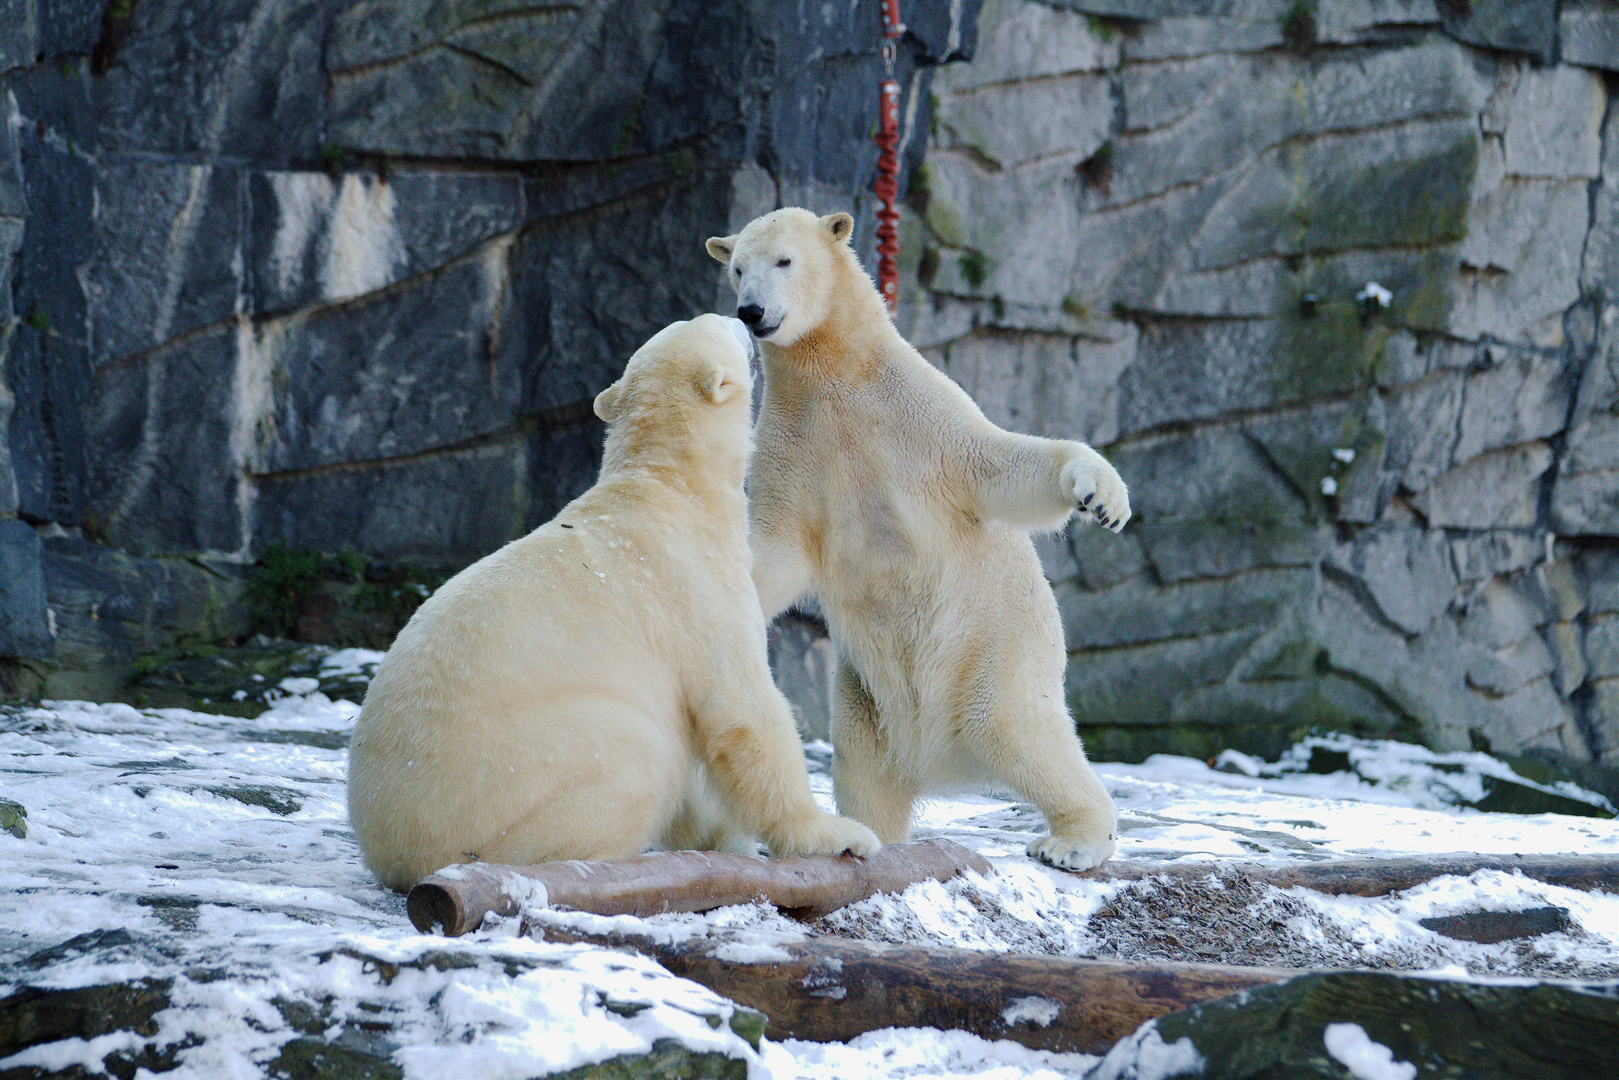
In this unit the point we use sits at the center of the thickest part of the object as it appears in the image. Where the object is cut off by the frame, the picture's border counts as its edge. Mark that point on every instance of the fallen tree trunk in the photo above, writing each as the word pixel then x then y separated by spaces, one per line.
pixel 1375 877
pixel 808 886
pixel 831 989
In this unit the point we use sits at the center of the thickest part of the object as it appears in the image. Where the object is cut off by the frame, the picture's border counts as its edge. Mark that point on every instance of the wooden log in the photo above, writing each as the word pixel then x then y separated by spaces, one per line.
pixel 829 989
pixel 457 898
pixel 806 886
pixel 1375 877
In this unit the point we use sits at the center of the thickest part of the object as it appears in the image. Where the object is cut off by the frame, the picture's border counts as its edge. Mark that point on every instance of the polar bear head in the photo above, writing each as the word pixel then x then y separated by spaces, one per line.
pixel 690 384
pixel 784 267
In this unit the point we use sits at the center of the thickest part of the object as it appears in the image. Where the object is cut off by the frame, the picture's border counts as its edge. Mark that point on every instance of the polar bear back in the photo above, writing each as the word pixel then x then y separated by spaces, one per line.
pixel 537 705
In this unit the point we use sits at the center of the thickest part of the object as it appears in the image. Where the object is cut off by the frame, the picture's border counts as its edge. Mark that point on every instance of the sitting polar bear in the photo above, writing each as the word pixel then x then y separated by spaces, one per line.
pixel 880 486
pixel 600 686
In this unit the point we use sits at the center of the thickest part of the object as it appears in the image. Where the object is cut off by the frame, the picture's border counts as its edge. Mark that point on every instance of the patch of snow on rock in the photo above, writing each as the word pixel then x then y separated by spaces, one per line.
pixel 1145 1056
pixel 1365 1059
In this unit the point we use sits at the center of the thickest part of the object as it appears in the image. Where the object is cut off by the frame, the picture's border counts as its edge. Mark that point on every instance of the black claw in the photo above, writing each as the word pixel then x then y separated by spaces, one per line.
pixel 1086 501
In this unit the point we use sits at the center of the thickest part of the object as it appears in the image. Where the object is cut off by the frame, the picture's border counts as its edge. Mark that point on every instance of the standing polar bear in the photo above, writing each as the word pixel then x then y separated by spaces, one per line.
pixel 880 486
pixel 601 685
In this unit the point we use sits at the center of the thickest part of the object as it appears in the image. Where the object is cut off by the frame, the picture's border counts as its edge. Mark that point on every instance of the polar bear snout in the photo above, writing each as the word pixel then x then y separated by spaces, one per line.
pixel 754 317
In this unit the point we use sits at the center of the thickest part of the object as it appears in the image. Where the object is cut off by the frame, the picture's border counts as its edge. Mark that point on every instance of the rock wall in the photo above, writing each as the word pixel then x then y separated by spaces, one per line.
pixel 1336 285
pixel 346 274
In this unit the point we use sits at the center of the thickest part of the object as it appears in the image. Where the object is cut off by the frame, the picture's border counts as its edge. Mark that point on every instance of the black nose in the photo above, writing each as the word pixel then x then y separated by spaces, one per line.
pixel 750 314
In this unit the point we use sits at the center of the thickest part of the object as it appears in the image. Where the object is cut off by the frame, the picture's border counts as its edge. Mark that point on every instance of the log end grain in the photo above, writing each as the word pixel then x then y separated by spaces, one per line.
pixel 430 905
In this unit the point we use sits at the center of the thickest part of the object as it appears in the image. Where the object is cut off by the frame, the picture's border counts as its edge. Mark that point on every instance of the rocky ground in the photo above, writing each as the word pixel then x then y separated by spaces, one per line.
pixel 183 888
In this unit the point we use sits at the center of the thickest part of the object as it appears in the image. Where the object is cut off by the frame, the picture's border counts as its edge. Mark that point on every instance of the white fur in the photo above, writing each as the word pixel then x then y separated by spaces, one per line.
pixel 601 685
pixel 880 486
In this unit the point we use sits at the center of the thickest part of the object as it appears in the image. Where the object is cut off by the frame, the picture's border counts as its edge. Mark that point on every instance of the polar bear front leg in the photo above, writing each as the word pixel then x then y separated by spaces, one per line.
pixel 1094 487
pixel 1032 747
pixel 748 740
pixel 781 571
pixel 863 788
pixel 1037 483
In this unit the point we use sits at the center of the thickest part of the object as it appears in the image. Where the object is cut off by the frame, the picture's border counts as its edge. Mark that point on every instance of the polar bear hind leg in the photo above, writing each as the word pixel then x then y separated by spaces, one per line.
pixel 863 779
pixel 1028 742
pixel 626 780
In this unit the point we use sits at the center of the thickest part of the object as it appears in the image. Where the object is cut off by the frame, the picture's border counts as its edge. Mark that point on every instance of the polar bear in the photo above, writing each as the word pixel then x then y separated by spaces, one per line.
pixel 601 686
pixel 879 486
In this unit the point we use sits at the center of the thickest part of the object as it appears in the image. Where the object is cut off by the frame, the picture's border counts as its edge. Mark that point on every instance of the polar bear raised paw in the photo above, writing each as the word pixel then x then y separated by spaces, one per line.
pixel 1096 489
pixel 1072 852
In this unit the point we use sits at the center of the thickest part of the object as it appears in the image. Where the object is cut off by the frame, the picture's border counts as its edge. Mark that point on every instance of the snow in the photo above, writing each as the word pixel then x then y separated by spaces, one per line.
pixel 1033 1010
pixel 213 853
pixel 907 1052
pixel 351 662
pixel 1145 1056
pixel 1374 293
pixel 1365 1059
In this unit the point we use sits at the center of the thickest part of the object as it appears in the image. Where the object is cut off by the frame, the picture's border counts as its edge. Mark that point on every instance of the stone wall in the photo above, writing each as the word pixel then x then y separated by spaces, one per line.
pixel 1336 286
pixel 346 274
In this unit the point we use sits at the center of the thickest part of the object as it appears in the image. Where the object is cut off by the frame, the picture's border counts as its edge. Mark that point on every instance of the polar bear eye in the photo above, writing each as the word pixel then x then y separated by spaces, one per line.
pixel 784 262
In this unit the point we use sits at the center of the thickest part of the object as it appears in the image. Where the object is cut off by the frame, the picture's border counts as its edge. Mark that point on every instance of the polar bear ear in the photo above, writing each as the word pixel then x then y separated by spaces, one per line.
pixel 606 404
pixel 721 247
pixel 715 385
pixel 840 225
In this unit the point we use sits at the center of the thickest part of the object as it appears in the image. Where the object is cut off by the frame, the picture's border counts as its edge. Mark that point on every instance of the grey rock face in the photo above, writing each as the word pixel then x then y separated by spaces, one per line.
pixel 339 274
pixel 238 77
pixel 803 661
pixel 452 506
pixel 1407 572
pixel 1288 1027
pixel 24 626
pixel 168 254
pixel 1525 397
pixel 1588 32
pixel 506 80
pixel 1197 370
pixel 1333 287
pixel 395 373
pixel 317 239
pixel 1529 26
pixel 1521 110
pixel 1367 251
pixel 1601 265
pixel 1584 499
pixel 1052 385
pixel 180 486
pixel 110 607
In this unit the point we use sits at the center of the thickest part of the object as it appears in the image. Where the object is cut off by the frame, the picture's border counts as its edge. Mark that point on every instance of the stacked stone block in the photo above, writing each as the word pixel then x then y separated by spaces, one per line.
pixel 1335 284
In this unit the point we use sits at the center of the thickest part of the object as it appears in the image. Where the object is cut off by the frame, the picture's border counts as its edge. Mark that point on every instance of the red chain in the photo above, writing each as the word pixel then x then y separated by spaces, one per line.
pixel 887 184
